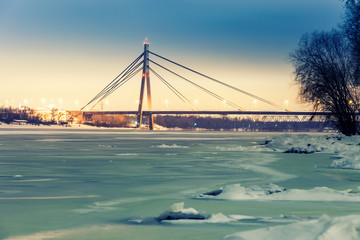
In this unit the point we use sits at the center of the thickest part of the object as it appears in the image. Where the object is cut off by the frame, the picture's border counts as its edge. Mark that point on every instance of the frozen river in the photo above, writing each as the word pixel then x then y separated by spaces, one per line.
pixel 88 184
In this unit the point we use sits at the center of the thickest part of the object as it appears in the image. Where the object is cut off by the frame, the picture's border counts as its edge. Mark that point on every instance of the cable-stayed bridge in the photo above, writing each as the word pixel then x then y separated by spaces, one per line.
pixel 142 64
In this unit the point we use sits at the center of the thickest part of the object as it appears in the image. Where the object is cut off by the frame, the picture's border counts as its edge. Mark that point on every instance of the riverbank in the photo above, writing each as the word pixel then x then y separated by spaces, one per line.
pixel 31 126
pixel 85 127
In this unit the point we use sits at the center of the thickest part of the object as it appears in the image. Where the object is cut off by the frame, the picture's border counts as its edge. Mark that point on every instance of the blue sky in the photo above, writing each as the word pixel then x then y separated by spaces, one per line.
pixel 56 48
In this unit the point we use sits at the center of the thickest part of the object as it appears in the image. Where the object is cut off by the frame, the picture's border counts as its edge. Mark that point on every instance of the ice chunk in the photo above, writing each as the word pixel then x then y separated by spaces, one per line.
pixel 213 193
pixel 177 212
pixel 254 148
pixel 219 218
pixel 299 150
pixel 170 146
pixel 347 161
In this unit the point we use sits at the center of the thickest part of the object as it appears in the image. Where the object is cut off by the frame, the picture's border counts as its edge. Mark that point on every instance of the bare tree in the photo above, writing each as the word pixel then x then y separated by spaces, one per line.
pixel 325 72
pixel 351 27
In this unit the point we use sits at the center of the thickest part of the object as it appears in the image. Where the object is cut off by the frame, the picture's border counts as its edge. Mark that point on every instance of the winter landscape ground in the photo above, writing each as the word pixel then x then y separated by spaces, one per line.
pixel 129 184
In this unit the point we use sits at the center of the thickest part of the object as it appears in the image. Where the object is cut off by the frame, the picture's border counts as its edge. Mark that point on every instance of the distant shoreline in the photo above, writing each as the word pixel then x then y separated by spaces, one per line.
pixel 52 127
pixel 76 127
pixel 84 127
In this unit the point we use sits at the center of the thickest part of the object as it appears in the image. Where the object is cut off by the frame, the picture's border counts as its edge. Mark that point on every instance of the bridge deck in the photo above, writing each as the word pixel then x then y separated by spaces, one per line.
pixel 283 113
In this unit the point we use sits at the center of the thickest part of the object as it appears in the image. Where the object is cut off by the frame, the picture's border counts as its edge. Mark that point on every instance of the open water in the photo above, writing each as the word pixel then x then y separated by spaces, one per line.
pixel 72 184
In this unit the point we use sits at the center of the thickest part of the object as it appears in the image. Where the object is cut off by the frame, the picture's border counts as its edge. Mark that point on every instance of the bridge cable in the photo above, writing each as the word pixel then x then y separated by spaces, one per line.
pixel 131 74
pixel 119 85
pixel 218 81
pixel 173 89
pixel 117 82
pixel 202 88
pixel 115 79
pixel 113 87
pixel 123 78
pixel 123 73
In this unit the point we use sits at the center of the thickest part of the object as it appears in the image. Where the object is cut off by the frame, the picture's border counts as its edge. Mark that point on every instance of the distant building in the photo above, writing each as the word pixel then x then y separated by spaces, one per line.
pixel 19 122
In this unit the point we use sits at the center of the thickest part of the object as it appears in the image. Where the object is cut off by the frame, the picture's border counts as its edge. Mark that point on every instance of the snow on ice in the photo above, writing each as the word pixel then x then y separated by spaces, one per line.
pixel 347 149
pixel 324 228
pixel 177 214
pixel 170 146
pixel 275 192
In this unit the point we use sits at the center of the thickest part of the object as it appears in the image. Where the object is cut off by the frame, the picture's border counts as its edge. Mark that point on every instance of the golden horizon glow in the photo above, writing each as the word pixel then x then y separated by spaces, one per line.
pixel 82 77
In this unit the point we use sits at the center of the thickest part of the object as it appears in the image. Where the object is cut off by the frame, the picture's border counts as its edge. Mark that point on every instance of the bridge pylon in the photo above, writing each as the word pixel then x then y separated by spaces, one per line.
pixel 145 78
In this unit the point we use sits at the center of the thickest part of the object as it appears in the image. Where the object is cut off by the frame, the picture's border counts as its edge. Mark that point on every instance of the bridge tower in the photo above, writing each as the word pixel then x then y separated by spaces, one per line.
pixel 145 78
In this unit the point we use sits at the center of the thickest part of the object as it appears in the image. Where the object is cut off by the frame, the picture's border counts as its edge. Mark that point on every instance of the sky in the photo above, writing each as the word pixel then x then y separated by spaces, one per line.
pixel 63 52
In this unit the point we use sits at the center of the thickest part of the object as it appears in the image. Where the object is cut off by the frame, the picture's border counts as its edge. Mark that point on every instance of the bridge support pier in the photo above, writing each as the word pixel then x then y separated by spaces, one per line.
pixel 151 122
pixel 145 77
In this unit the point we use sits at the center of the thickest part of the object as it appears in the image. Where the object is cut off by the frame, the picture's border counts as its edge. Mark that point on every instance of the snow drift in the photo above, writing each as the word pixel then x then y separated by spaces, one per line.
pixel 275 192
pixel 324 228
pixel 347 149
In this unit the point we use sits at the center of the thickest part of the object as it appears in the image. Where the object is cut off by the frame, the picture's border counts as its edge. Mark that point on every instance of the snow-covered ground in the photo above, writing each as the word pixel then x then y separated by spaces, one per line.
pixel 324 228
pixel 345 149
pixel 109 184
